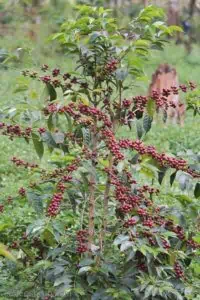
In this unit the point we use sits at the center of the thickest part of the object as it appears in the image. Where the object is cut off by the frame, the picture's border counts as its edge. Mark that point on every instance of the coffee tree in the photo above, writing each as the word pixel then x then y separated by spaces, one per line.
pixel 91 225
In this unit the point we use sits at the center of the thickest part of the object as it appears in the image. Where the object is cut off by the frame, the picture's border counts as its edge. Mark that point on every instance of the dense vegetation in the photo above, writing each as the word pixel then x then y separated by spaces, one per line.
pixel 89 208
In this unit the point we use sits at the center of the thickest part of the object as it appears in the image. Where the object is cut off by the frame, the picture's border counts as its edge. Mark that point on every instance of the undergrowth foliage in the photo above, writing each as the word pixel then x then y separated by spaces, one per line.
pixel 90 227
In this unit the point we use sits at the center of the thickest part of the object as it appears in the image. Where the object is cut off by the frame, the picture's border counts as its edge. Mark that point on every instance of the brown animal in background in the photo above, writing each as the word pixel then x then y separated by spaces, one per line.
pixel 166 77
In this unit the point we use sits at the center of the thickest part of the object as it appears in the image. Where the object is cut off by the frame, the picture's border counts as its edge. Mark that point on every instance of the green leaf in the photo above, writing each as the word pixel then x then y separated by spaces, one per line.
pixel 148 291
pixel 86 136
pixel 48 138
pixel 57 36
pixel 52 92
pixel 126 245
pixel 183 181
pixel 184 199
pixel 172 177
pixel 175 28
pixel 36 201
pixel 161 174
pixel 86 262
pixel 197 190
pixel 48 237
pixel 36 227
pixel 120 239
pixel 69 120
pixel 38 145
pixel 21 88
pixel 84 270
pixel 52 120
pixel 196 238
pixel 58 137
pixel 4 252
pixel 49 92
pixel 139 129
pixel 147 122
pixel 121 74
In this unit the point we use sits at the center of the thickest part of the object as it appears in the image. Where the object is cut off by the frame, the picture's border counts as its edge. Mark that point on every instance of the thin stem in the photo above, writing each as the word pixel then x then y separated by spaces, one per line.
pixel 92 187
pixel 106 198
pixel 120 99
pixel 83 212
pixel 91 212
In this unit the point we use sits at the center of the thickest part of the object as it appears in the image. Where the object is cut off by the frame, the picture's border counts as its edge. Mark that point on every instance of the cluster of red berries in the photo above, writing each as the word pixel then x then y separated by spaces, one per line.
pixel 162 158
pixel 81 237
pixel 166 244
pixel 169 225
pixel 95 112
pixel 61 172
pixel 55 72
pixel 138 205
pixel 142 212
pixel 131 222
pixel 192 85
pixel 54 206
pixel 61 187
pixel 183 88
pixel 129 177
pixel 1 208
pixel 193 244
pixel 73 166
pixel 179 232
pixel 77 111
pixel 150 190
pixel 161 98
pixel 161 101
pixel 152 241
pixel 126 208
pixel 112 144
pixel 111 66
pixel 50 79
pixel 46 79
pixel 88 154
pixel 140 102
pixel 9 199
pixel 31 74
pixel 148 222
pixel 142 267
pixel 85 121
pixel 51 108
pixel 15 130
pixel 22 191
pixel 175 89
pixel 44 67
pixel 41 130
pixel 68 178
pixel 126 103
pixel 166 92
pixel 70 109
pixel 179 271
pixel 14 245
pixel 159 220
pixel 19 162
pixel 66 76
pixel 82 109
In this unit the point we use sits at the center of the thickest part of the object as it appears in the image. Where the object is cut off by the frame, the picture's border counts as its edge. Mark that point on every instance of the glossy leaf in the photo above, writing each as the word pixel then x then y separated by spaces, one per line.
pixel 38 144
